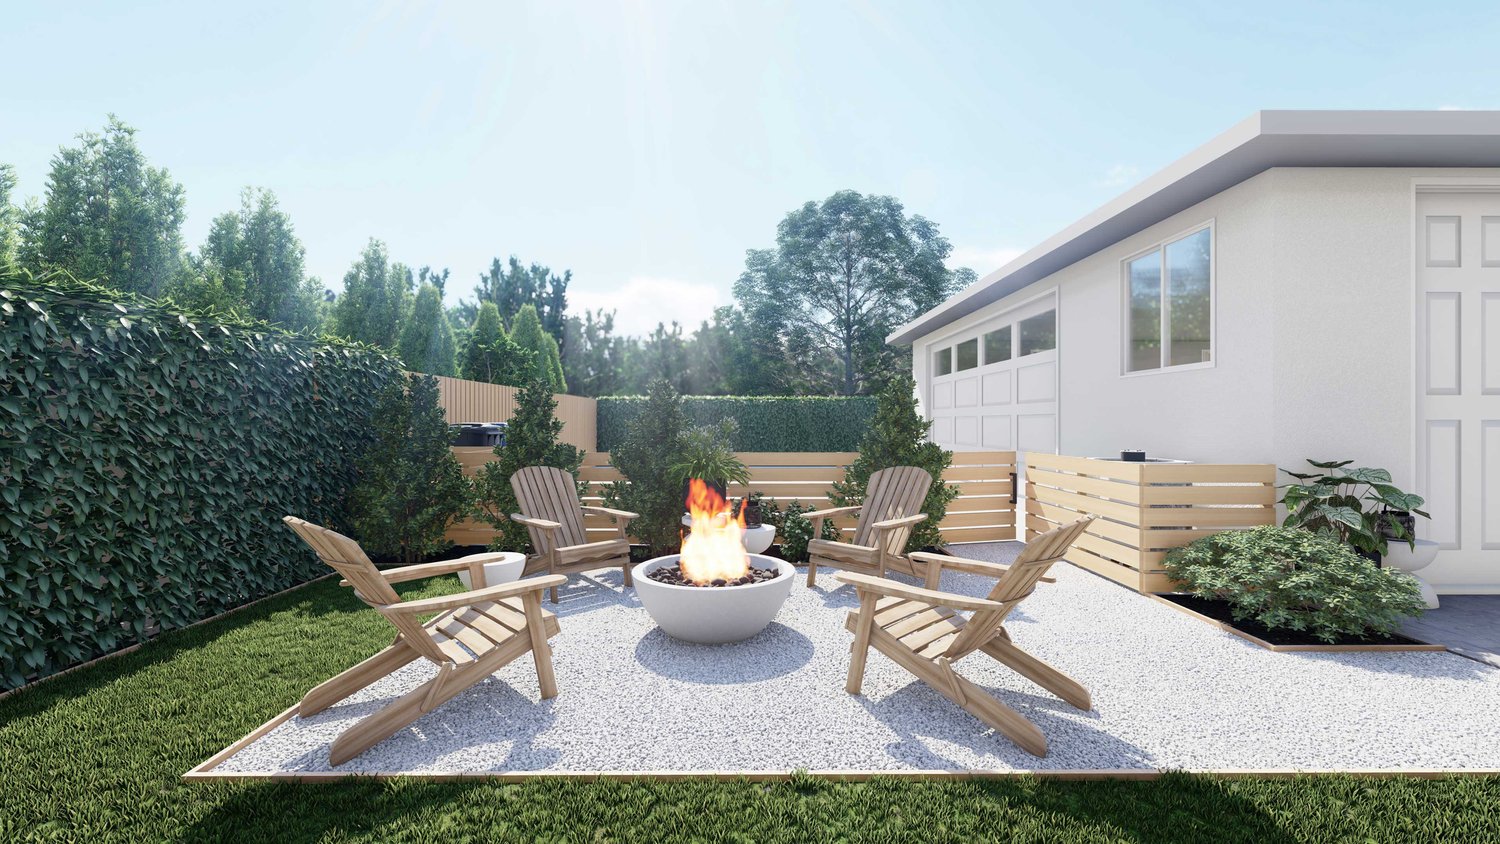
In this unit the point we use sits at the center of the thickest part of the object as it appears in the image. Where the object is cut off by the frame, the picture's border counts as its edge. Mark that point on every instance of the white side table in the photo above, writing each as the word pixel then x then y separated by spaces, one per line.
pixel 499 567
pixel 1401 556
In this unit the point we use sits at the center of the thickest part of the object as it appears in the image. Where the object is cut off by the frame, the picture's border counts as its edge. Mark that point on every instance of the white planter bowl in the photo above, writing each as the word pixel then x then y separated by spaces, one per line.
pixel 712 615
pixel 499 567
pixel 755 539
pixel 1400 555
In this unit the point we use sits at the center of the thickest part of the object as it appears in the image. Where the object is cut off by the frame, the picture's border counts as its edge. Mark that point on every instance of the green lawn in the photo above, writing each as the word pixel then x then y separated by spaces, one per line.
pixel 97 756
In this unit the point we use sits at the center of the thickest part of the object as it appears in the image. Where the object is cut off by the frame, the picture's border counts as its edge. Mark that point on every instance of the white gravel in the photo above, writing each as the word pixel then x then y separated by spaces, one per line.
pixel 1169 692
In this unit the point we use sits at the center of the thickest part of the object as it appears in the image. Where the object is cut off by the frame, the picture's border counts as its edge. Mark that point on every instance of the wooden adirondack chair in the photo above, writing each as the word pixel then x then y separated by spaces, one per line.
pixel 920 630
pixel 553 515
pixel 893 503
pixel 474 634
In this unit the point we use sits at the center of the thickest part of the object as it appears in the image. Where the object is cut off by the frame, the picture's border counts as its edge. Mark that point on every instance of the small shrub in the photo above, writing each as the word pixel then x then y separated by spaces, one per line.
pixel 531 439
pixel 1293 579
pixel 795 529
pixel 648 459
pixel 898 437
pixel 411 487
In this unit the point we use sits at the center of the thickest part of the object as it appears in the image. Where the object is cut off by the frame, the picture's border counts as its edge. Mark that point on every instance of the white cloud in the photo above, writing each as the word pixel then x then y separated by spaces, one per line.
pixel 1121 175
pixel 643 301
pixel 982 260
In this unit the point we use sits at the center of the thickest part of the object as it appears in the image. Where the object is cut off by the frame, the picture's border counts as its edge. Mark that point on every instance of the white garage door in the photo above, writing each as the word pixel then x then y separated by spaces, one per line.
pixel 1458 383
pixel 994 386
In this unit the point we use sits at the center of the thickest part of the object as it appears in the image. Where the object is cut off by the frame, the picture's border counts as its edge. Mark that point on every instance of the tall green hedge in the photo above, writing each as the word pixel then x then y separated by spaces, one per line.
pixel 771 423
pixel 146 459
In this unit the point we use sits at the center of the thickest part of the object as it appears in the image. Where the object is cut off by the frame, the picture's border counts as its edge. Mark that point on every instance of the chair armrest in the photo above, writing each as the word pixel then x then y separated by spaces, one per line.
pixel 464 599
pixel 539 524
pixel 892 524
pixel 421 570
pixel 832 511
pixel 979 567
pixel 614 514
pixel 881 586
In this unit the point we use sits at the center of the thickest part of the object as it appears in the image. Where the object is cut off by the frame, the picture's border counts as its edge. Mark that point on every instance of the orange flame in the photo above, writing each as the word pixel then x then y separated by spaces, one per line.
pixel 714 549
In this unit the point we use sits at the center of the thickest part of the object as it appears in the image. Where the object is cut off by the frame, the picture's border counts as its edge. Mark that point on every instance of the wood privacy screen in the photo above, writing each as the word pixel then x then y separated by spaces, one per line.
pixel 984 510
pixel 1145 509
pixel 475 401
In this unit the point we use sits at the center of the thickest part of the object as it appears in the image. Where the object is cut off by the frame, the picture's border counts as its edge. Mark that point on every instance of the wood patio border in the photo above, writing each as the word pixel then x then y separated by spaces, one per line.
pixel 1256 640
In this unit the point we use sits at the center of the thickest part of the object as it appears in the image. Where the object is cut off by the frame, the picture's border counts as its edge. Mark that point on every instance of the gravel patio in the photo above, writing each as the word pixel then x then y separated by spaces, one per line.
pixel 1170 692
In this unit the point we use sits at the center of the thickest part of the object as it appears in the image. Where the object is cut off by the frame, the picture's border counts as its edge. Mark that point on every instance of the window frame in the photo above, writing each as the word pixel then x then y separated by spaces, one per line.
pixel 1211 226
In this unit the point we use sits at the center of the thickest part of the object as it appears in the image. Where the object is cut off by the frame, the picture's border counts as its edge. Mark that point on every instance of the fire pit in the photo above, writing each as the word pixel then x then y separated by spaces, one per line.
pixel 714 591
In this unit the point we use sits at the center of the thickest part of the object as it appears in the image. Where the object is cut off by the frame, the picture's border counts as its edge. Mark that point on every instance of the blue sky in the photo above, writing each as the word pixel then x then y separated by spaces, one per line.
pixel 647 145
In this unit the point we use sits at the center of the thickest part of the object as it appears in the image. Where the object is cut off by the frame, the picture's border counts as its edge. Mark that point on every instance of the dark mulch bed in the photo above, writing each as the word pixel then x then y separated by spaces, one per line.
pixel 1220 611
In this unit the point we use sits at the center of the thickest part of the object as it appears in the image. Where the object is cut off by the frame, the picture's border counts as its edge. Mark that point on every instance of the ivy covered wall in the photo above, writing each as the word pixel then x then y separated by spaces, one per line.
pixel 146 460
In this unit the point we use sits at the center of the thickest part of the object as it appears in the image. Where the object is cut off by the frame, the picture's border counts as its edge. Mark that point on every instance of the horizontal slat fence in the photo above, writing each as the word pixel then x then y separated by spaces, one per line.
pixel 1144 509
pixel 475 401
pixel 983 511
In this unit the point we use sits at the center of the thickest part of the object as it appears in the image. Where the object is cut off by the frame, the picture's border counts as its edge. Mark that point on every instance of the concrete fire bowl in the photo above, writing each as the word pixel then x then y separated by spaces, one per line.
pixel 712 615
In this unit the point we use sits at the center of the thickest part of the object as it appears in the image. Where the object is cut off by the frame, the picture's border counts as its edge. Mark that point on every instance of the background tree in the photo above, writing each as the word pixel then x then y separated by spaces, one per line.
pixel 531 439
pixel 108 215
pixel 662 356
pixel 10 216
pixel 528 333
pixel 255 251
pixel 491 356
pixel 843 274
pixel 511 287
pixel 426 343
pixel 594 359
pixel 647 458
pixel 411 488
pixel 377 296
pixel 898 437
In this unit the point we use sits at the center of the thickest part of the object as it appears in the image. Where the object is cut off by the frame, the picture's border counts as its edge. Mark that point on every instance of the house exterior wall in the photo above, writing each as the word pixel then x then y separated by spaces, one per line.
pixel 1313 329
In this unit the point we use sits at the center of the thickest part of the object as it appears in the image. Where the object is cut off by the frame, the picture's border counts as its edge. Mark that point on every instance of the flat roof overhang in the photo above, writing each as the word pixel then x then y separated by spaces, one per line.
pixel 1266 139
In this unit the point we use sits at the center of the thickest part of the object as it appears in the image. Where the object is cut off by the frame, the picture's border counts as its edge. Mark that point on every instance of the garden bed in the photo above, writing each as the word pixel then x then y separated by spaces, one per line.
pixel 1219 614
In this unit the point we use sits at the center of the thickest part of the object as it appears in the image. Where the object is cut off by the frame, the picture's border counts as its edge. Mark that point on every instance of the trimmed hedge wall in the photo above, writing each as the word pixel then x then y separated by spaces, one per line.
pixel 770 423
pixel 146 459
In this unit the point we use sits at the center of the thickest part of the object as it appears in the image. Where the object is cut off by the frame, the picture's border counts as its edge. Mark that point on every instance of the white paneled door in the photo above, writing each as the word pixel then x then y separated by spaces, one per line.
pixel 1458 384
pixel 993 385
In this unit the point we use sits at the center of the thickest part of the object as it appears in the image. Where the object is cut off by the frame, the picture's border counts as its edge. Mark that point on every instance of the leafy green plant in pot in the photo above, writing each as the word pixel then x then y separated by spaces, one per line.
pixel 704 454
pixel 1360 507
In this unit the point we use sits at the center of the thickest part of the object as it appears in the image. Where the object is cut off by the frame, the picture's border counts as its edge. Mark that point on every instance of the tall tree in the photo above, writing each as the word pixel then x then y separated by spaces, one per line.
pixel 426 343
pixel 491 356
pixel 512 286
pixel 377 296
pixel 108 215
pixel 528 333
pixel 662 356
pixel 256 251
pixel 10 216
pixel 594 359
pixel 843 274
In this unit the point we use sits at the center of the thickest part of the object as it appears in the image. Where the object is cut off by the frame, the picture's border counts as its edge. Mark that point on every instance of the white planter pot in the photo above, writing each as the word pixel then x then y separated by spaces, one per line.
pixel 500 567
pixel 1401 556
pixel 755 539
pixel 713 615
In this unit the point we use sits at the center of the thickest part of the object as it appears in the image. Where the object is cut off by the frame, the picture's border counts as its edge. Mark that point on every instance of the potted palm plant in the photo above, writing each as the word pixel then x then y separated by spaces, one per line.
pixel 707 456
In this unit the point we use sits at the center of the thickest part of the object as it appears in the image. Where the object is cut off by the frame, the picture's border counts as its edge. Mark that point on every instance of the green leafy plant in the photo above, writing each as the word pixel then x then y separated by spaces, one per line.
pixel 647 459
pixel 149 455
pixel 1294 579
pixel 1359 507
pixel 531 439
pixel 898 437
pixel 794 528
pixel 411 487
pixel 766 423
pixel 704 453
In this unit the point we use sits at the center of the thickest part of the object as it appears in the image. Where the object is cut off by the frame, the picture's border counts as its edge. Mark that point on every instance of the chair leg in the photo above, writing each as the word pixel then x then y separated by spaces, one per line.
pixel 1005 651
pixel 812 572
pixel 348 682
pixel 541 652
pixel 861 646
pixel 421 700
pixel 628 581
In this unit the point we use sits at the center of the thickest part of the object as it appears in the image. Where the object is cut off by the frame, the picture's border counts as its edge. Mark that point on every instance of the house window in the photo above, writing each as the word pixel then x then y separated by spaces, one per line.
pixel 942 361
pixel 1169 304
pixel 1038 333
pixel 968 354
pixel 997 346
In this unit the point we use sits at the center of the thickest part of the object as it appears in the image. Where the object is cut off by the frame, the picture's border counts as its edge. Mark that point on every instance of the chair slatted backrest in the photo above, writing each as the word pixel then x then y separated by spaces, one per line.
pixel 547 492
pixel 1015 585
pixel 892 493
pixel 344 556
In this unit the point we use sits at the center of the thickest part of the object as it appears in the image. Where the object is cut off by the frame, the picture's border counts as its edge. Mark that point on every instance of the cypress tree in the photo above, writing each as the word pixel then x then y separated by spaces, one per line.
pixel 427 338
pixel 490 355
pixel 531 439
pixel 528 333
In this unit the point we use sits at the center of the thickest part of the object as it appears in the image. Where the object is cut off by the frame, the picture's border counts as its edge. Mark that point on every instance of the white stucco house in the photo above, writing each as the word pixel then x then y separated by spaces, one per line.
pixel 1320 284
